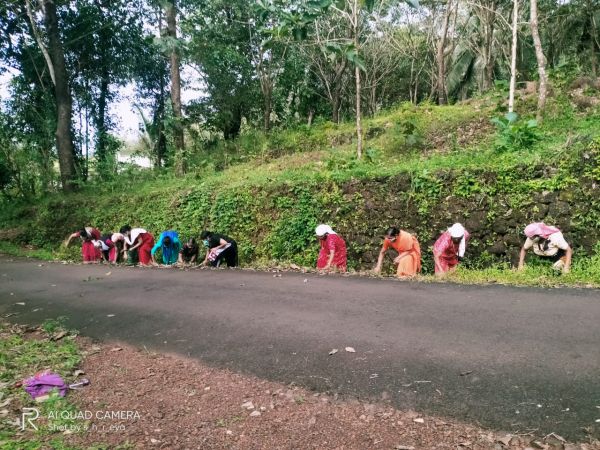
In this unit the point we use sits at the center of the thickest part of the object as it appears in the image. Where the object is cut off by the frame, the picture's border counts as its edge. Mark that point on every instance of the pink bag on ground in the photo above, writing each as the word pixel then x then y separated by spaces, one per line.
pixel 43 382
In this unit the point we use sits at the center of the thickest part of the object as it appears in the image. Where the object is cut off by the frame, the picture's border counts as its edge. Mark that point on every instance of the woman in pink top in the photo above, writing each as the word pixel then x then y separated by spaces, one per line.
pixel 449 249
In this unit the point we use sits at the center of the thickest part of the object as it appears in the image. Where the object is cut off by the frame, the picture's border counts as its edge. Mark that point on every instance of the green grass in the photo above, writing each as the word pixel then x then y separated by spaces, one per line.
pixel 12 249
pixel 21 356
pixel 585 274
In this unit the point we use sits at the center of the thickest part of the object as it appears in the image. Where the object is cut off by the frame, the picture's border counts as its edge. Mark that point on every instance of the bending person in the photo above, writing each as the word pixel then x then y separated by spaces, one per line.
pixel 219 248
pixel 189 252
pixel 409 252
pixel 138 239
pixel 332 255
pixel 89 252
pixel 115 254
pixel 549 243
pixel 168 242
pixel 449 249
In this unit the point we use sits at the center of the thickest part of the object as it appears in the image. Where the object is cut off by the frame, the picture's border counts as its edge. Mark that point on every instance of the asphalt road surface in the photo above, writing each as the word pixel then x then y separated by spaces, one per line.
pixel 511 359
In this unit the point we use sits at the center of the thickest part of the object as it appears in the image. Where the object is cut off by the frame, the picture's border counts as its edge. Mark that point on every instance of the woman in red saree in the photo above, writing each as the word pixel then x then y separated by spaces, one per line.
pixel 89 252
pixel 142 241
pixel 332 255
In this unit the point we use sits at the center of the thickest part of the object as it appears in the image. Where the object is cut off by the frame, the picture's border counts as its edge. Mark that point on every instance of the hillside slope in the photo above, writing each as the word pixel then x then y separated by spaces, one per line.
pixel 426 167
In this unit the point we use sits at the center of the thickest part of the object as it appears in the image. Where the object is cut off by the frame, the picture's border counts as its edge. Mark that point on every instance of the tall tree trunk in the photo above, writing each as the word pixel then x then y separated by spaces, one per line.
pixel 490 18
pixel 541 59
pixel 336 101
pixel 101 130
pixel 359 137
pixel 64 140
pixel 335 93
pixel 440 57
pixel 267 100
pixel 513 58
pixel 160 143
pixel 180 163
pixel 593 38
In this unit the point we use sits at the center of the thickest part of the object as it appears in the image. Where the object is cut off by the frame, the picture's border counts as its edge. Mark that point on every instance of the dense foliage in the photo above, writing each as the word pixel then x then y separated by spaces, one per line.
pixel 261 65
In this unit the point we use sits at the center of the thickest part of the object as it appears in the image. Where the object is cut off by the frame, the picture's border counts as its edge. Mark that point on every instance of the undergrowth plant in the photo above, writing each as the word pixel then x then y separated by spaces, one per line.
pixel 515 134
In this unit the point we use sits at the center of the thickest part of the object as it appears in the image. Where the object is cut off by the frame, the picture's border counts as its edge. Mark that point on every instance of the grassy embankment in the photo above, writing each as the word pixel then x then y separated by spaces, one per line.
pixel 270 191
pixel 24 352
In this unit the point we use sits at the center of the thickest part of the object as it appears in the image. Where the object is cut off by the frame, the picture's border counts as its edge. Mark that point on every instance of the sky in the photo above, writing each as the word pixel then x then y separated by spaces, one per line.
pixel 125 116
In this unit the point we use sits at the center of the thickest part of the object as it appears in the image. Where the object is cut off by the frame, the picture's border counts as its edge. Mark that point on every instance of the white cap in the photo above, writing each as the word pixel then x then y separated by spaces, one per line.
pixel 322 230
pixel 457 230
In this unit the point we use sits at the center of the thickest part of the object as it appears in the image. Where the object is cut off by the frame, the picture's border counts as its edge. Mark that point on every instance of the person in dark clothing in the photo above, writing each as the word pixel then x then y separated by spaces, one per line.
pixel 219 248
pixel 189 252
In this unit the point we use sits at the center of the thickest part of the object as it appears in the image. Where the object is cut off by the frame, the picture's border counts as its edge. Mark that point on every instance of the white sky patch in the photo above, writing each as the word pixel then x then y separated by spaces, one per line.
pixel 123 110
pixel 126 116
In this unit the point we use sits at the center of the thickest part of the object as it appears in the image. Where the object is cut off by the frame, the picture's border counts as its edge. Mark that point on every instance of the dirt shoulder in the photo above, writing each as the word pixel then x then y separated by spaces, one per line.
pixel 140 399
pixel 183 403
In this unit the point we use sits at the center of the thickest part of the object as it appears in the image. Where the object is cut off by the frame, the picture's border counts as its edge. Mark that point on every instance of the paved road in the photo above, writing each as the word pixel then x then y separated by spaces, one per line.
pixel 507 358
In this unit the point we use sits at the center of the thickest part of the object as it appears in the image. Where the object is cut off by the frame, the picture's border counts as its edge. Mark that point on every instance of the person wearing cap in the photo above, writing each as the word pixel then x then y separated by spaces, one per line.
pixel 169 243
pixel 449 249
pixel 408 249
pixel 332 255
pixel 549 243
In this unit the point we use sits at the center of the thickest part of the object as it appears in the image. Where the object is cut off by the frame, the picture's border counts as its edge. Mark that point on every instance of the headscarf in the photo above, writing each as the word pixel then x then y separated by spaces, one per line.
pixel 539 229
pixel 458 231
pixel 134 233
pixel 117 237
pixel 322 230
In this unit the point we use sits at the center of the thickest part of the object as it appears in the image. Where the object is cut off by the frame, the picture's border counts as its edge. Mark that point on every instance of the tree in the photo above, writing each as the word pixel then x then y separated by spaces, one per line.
pixel 171 13
pixel 219 47
pixel 541 59
pixel 442 91
pixel 103 41
pixel 513 58
pixel 56 64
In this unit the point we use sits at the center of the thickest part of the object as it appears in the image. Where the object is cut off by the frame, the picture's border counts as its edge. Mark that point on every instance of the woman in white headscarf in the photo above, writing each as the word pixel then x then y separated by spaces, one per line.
pixel 333 250
pixel 449 249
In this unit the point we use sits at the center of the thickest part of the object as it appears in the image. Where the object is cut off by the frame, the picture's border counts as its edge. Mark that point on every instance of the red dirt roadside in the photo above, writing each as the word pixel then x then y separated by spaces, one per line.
pixel 183 404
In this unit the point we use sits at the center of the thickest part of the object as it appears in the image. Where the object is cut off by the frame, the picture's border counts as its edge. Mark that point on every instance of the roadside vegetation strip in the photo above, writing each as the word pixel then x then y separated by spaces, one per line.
pixel 449 165
pixel 24 351
pixel 585 272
